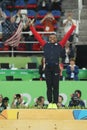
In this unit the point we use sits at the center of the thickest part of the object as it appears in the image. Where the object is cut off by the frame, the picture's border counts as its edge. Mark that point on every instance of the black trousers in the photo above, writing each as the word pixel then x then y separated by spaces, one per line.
pixel 52 81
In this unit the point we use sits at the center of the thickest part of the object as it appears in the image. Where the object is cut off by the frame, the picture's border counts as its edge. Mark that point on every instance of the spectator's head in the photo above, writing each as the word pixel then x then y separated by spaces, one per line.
pixel 40 101
pixel 5 101
pixel 69 14
pixel 72 61
pixel 79 93
pixel 19 98
pixel 60 99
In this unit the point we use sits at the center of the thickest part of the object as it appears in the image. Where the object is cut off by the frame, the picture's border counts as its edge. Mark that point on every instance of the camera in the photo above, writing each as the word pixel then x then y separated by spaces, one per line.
pixel 75 99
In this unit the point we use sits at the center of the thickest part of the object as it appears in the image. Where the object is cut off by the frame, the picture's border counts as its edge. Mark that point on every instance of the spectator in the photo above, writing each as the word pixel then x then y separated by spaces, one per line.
pixel 18 102
pixel 11 32
pixel 72 70
pixel 67 53
pixel 8 28
pixel 60 100
pixel 67 23
pixel 5 104
pixel 21 16
pixel 48 22
pixel 40 102
pixel 42 69
pixel 76 100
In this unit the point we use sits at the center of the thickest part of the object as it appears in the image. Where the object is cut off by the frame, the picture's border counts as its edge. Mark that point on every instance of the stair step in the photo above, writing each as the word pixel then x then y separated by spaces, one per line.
pixel 82 38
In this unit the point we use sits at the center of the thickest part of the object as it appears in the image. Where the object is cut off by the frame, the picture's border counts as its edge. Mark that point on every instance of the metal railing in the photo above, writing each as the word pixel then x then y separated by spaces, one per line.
pixel 80 6
pixel 13 52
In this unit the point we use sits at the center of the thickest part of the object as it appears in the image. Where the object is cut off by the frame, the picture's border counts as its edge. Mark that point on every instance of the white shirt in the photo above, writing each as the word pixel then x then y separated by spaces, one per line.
pixel 68 24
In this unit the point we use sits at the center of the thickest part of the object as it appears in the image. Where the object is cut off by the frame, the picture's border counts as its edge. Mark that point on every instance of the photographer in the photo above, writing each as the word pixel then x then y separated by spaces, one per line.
pixel 76 100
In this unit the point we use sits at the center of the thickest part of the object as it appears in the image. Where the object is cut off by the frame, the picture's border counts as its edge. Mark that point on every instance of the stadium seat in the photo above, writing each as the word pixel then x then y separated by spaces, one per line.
pixel 36 47
pixel 32 65
pixel 4 66
pixel 19 4
pixel 41 13
pixel 31 14
pixel 5 48
pixel 21 47
pixel 8 13
pixel 14 12
pixel 56 13
pixel 32 4
pixel 38 25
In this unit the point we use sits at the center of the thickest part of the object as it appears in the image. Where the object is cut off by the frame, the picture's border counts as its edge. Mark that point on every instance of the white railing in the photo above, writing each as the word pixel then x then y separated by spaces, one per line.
pixel 13 52
pixel 80 6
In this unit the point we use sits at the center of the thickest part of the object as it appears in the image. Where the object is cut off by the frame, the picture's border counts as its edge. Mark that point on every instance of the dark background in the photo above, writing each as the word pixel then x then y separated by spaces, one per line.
pixel 81 58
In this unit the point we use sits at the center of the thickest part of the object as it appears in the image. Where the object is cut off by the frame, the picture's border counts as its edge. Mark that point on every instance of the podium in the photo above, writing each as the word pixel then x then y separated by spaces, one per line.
pixel 42 119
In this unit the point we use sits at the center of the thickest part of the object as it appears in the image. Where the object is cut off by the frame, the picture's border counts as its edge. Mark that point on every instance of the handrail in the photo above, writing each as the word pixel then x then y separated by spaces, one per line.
pixel 40 32
pixel 80 6
pixel 12 51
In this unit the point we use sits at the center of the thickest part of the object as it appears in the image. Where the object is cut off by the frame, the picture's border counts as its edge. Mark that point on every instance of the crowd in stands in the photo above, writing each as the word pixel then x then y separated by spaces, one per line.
pixel 22 10
pixel 19 102
pixel 46 15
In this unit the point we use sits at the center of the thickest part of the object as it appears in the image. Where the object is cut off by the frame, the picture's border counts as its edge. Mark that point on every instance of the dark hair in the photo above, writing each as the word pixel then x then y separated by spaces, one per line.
pixel 5 99
pixel 61 97
pixel 78 91
pixel 39 99
pixel 53 34
pixel 18 95
pixel 72 59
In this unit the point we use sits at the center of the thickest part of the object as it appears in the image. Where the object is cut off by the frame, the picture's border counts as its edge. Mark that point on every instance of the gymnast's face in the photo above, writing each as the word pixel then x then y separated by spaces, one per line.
pixel 53 38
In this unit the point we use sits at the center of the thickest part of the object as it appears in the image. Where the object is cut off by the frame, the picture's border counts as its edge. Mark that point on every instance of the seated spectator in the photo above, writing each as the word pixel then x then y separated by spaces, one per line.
pixel 5 104
pixel 67 23
pixel 18 102
pixel 72 70
pixel 60 100
pixel 67 53
pixel 76 100
pixel 40 102
pixel 42 69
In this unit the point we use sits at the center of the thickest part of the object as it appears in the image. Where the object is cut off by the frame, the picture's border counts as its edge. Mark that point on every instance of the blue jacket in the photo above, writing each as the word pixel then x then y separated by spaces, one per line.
pixel 72 74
